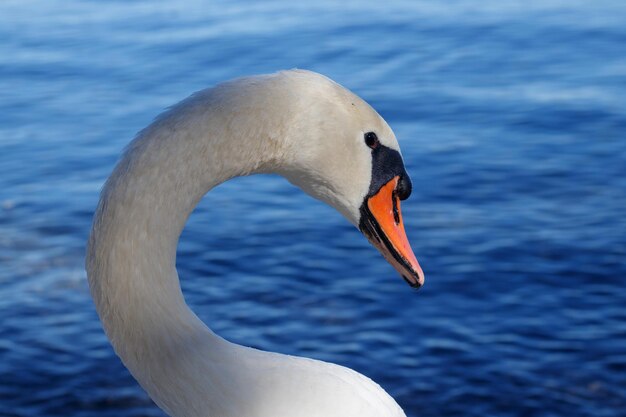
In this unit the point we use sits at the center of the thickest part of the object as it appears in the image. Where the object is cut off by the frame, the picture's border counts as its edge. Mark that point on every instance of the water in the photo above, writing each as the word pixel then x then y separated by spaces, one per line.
pixel 511 116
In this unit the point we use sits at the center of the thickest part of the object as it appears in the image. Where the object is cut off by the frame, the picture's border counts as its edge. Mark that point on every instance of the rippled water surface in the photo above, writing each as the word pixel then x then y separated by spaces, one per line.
pixel 512 120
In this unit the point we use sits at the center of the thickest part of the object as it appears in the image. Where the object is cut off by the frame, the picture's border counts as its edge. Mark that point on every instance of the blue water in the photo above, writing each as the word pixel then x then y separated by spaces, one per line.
pixel 512 120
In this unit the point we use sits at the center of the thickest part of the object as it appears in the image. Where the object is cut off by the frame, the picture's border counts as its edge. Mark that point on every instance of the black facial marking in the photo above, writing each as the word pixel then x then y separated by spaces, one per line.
pixel 404 187
pixel 387 164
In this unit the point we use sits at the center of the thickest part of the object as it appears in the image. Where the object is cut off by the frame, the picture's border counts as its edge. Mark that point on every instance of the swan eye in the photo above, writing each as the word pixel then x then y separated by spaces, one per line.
pixel 371 140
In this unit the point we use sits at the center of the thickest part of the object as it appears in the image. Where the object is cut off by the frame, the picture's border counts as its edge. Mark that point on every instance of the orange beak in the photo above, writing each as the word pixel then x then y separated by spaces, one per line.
pixel 381 222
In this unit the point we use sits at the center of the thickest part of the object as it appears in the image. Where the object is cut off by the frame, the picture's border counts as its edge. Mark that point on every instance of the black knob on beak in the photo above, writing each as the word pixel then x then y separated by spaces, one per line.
pixel 404 187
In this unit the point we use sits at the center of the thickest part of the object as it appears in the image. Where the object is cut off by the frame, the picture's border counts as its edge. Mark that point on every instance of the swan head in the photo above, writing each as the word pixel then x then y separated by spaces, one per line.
pixel 341 151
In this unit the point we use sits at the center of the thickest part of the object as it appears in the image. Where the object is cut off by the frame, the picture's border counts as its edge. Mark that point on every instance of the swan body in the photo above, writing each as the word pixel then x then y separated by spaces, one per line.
pixel 296 123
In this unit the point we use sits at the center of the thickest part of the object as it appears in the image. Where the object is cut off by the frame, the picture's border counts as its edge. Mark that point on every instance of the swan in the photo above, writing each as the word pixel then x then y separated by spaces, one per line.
pixel 298 124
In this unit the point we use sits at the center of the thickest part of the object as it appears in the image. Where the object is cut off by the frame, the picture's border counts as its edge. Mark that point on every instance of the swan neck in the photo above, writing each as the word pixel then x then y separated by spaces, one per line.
pixel 131 253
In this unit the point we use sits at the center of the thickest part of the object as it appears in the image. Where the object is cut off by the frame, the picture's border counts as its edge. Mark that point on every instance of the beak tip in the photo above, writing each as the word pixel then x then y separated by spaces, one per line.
pixel 416 282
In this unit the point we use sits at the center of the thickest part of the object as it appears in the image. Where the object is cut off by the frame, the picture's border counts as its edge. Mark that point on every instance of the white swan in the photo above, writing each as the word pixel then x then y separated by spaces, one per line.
pixel 299 124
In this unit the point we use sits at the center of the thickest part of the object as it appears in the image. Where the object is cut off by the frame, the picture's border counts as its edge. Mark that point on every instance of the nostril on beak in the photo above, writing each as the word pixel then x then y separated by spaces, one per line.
pixel 404 187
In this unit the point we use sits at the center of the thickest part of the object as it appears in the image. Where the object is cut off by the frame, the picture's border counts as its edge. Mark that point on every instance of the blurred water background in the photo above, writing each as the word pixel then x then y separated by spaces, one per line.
pixel 512 120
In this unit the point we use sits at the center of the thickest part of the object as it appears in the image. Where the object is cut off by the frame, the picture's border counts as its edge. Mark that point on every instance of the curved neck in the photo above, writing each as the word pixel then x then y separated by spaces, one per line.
pixel 131 254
